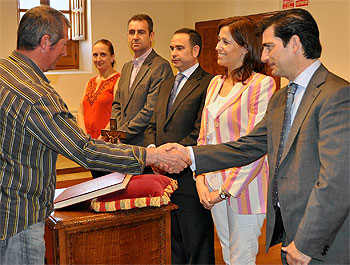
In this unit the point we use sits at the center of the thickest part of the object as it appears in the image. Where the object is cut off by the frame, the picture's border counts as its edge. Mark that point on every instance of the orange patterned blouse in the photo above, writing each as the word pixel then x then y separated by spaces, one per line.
pixel 97 104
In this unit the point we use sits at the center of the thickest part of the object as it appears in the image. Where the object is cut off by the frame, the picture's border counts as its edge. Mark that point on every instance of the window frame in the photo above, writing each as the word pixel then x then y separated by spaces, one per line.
pixel 77 32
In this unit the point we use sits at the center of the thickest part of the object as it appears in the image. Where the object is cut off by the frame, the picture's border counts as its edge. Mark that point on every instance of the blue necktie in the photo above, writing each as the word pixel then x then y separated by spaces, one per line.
pixel 174 90
pixel 287 123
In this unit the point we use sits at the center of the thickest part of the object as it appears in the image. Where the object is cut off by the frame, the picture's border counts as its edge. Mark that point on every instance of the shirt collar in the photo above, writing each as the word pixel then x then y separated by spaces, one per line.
pixel 304 78
pixel 139 60
pixel 189 71
pixel 31 64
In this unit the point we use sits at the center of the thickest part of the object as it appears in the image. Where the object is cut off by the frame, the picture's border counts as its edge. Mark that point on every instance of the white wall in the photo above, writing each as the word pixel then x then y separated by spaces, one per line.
pixel 109 20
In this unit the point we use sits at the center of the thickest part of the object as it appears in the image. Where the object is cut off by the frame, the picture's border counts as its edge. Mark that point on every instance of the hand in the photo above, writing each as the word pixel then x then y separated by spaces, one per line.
pixel 215 197
pixel 157 170
pixel 179 147
pixel 203 192
pixel 294 256
pixel 172 161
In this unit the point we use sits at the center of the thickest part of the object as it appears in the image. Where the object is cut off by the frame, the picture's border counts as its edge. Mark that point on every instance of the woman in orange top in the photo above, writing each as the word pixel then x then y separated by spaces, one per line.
pixel 96 105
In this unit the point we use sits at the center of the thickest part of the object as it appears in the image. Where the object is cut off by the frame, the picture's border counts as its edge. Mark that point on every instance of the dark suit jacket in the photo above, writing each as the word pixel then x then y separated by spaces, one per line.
pixel 133 109
pixel 313 185
pixel 183 122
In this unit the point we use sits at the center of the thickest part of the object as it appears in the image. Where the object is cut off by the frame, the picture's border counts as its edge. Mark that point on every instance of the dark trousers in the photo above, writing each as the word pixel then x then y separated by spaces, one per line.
pixel 279 234
pixel 192 232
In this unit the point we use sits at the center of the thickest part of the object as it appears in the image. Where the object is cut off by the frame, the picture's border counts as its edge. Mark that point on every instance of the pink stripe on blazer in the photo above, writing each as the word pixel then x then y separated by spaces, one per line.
pixel 237 117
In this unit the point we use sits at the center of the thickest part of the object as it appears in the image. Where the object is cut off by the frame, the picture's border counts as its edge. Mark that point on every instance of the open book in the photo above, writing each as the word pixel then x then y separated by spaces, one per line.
pixel 90 189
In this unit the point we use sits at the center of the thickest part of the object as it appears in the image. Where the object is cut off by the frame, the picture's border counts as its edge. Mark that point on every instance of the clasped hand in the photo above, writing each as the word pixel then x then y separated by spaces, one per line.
pixel 171 157
pixel 207 198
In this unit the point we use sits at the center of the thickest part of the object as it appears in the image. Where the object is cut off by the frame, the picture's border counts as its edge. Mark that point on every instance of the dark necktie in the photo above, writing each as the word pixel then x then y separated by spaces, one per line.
pixel 172 97
pixel 287 123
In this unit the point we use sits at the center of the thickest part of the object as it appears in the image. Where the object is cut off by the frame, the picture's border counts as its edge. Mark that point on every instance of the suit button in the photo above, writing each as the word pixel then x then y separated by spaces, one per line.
pixel 216 124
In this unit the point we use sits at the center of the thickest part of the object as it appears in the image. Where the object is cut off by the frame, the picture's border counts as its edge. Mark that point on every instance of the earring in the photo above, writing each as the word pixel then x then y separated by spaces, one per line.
pixel 242 57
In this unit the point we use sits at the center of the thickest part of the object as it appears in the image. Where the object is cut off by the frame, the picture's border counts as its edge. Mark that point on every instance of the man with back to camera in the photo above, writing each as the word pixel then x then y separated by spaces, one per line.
pixel 177 118
pixel 308 197
pixel 140 78
pixel 35 126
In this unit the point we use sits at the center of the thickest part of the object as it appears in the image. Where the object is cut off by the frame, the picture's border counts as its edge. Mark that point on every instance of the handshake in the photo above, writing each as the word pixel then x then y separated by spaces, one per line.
pixel 170 157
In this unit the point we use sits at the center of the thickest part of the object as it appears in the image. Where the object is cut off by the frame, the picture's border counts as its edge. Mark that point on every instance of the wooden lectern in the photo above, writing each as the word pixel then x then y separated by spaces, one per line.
pixel 136 236
pixel 77 235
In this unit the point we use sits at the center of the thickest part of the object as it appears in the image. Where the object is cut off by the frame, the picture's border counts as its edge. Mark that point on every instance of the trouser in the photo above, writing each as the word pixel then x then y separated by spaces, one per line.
pixel 192 232
pixel 26 247
pixel 238 234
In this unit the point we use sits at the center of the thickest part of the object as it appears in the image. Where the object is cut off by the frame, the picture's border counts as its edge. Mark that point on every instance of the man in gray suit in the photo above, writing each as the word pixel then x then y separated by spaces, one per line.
pixel 308 197
pixel 140 78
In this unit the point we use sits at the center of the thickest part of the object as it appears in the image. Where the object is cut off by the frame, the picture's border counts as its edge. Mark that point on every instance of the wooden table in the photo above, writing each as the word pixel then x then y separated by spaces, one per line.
pixel 137 236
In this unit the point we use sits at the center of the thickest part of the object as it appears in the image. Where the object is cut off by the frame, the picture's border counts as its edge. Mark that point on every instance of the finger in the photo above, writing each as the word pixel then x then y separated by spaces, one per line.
pixel 208 207
pixel 207 203
pixel 184 158
pixel 163 167
pixel 178 162
pixel 155 169
pixel 207 196
pixel 290 260
pixel 169 146
pixel 205 199
pixel 179 168
pixel 174 169
pixel 181 164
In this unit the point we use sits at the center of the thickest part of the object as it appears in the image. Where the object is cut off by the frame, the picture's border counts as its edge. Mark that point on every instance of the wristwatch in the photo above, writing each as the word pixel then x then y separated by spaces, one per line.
pixel 222 194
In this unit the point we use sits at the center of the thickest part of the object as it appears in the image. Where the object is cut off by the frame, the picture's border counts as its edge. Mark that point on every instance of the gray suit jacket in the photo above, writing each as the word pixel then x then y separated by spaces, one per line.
pixel 313 184
pixel 133 109
pixel 183 122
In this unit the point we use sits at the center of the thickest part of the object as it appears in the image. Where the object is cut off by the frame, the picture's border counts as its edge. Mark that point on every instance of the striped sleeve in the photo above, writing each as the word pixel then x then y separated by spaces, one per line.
pixel 51 122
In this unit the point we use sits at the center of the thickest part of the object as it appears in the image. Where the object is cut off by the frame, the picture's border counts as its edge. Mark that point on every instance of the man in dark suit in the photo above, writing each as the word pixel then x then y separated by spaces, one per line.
pixel 308 197
pixel 140 78
pixel 177 118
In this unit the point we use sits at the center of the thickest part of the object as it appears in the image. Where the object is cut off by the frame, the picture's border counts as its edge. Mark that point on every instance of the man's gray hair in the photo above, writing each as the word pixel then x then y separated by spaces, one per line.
pixel 37 22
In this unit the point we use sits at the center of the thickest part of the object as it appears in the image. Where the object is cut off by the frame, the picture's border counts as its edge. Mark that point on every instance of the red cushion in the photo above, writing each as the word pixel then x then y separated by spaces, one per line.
pixel 141 191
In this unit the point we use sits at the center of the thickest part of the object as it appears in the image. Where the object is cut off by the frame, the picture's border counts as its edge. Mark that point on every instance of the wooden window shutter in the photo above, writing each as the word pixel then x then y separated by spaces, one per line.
pixel 78 19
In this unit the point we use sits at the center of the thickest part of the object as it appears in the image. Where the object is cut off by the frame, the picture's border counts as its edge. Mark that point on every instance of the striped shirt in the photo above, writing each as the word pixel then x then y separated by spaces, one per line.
pixel 36 126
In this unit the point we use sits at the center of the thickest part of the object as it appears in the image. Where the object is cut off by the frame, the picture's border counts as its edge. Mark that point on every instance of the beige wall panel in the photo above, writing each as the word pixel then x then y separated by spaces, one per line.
pixel 109 20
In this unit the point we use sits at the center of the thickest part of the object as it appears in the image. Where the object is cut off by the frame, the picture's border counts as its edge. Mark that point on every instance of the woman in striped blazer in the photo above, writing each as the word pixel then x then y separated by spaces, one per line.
pixel 235 102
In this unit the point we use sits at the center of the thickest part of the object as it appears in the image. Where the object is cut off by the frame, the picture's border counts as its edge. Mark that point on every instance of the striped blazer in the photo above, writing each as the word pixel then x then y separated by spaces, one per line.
pixel 238 115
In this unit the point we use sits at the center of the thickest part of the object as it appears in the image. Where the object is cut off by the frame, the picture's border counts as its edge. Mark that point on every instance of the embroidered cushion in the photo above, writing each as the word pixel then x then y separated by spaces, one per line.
pixel 141 191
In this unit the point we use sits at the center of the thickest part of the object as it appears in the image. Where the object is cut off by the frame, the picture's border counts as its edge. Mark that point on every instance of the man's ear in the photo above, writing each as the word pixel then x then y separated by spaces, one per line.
pixel 195 50
pixel 295 43
pixel 151 35
pixel 45 42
